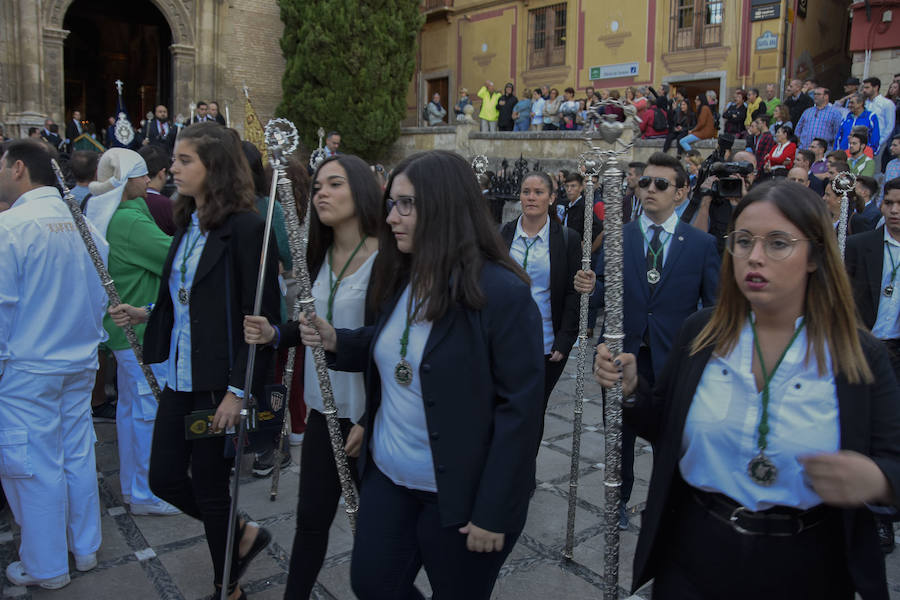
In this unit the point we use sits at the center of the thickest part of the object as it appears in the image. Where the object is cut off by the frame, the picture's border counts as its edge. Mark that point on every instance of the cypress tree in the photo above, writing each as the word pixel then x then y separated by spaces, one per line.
pixel 349 64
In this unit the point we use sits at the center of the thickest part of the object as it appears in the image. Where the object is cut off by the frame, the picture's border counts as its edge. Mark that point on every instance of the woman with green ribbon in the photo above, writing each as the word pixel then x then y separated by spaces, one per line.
pixel 343 244
pixel 454 385
pixel 776 427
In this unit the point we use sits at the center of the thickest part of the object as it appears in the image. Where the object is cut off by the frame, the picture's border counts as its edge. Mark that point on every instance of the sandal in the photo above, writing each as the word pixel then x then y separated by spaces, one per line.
pixel 263 537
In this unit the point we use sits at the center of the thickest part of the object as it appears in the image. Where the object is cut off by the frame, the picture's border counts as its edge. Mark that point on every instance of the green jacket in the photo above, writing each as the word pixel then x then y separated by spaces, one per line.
pixel 489 102
pixel 862 166
pixel 137 252
pixel 771 105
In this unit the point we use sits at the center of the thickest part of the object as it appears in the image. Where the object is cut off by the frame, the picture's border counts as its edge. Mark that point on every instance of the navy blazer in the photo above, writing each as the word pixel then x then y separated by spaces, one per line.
pixel 565 260
pixel 865 263
pixel 690 276
pixel 869 419
pixel 482 376
pixel 871 213
pixel 230 262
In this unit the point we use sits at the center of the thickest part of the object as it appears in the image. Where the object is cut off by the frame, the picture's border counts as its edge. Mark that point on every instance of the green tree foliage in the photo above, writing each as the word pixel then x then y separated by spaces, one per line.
pixel 349 64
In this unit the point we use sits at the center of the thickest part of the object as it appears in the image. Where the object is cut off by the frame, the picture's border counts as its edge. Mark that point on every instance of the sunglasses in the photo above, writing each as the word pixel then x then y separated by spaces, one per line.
pixel 661 183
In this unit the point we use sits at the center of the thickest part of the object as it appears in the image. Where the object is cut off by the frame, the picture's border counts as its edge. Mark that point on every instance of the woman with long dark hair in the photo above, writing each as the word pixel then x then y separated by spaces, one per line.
pixel 208 285
pixel 454 385
pixel 776 423
pixel 343 243
pixel 705 127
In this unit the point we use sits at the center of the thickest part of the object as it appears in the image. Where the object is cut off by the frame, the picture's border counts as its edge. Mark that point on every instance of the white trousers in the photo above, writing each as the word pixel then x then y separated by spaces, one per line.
pixel 48 468
pixel 135 416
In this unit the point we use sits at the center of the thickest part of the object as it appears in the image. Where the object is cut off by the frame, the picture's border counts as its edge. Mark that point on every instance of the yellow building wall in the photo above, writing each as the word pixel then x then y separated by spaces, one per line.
pixel 488 39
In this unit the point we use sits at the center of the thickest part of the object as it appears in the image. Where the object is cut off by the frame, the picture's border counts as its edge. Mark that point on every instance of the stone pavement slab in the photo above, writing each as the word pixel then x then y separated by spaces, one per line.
pixel 166 558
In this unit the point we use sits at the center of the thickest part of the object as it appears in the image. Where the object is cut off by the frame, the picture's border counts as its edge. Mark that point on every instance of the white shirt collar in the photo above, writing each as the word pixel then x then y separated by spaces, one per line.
pixel 889 238
pixel 668 226
pixel 542 234
pixel 39 192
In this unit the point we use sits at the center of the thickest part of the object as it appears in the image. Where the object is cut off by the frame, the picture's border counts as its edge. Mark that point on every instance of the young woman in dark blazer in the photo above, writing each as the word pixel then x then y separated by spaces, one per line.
pixel 454 386
pixel 776 423
pixel 208 285
pixel 536 241
pixel 343 244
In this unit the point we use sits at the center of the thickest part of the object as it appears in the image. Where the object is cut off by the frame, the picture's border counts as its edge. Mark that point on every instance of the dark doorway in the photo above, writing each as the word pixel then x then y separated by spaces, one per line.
pixel 692 89
pixel 110 40
pixel 441 86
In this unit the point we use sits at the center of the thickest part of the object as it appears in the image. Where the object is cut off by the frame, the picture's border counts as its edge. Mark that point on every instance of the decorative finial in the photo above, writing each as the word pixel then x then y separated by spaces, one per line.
pixel 480 164
pixel 282 140
pixel 119 86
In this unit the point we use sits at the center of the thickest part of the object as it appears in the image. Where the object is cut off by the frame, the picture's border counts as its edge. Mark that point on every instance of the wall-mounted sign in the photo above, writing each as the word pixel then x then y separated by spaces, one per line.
pixel 767 41
pixel 614 71
pixel 765 12
pixel 801 8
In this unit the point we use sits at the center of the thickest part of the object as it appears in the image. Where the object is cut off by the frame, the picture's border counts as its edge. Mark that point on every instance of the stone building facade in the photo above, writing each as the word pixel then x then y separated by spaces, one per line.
pixel 217 47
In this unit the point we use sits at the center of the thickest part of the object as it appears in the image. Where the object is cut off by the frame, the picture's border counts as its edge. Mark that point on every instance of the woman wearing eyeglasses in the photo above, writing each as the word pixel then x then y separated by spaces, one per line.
pixel 776 423
pixel 343 243
pixel 454 388
pixel 551 256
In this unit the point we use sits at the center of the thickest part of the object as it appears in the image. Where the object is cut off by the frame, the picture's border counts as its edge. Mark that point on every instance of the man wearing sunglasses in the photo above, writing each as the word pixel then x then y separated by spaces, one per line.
pixel 670 268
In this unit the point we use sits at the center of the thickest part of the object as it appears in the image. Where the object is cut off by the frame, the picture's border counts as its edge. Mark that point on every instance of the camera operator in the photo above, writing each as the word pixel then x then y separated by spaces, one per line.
pixel 716 195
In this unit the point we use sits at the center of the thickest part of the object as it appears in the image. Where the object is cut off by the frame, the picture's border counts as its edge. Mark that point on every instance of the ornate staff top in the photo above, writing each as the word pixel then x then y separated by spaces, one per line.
pixel 610 130
pixel 319 154
pixel 282 139
pixel 480 164
pixel 842 184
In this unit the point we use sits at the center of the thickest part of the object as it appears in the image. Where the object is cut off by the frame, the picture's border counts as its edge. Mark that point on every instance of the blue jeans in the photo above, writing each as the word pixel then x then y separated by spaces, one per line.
pixel 521 126
pixel 399 530
pixel 687 140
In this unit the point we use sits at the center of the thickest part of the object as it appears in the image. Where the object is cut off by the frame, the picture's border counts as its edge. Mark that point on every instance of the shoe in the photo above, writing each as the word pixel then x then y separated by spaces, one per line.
pixel 263 537
pixel 104 413
pixel 161 508
pixel 885 528
pixel 623 518
pixel 296 439
pixel 16 573
pixel 264 463
pixel 85 562
pixel 217 595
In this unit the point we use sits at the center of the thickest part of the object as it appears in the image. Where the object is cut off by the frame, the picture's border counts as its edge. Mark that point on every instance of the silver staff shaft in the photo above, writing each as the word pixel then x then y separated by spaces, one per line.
pixel 843 223
pixel 248 386
pixel 105 279
pixel 586 242
pixel 287 380
pixel 298 237
pixel 613 336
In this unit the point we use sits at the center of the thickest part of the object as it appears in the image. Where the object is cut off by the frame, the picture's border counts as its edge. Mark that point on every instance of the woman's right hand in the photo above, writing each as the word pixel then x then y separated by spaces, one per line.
pixel 326 336
pixel 257 330
pixel 125 314
pixel 608 371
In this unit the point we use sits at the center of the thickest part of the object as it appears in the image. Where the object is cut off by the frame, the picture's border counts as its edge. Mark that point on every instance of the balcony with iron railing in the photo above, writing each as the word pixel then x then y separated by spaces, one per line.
pixel 434 9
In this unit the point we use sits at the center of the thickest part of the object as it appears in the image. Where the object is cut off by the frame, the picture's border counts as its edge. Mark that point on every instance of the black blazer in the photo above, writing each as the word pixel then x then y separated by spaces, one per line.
pixel 865 261
pixel 565 260
pixel 869 417
pixel 226 278
pixel 154 136
pixel 482 377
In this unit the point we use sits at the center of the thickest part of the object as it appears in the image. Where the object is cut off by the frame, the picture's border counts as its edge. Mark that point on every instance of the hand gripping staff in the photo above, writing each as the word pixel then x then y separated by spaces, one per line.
pixel 592 163
pixel 103 273
pixel 298 238
pixel 248 384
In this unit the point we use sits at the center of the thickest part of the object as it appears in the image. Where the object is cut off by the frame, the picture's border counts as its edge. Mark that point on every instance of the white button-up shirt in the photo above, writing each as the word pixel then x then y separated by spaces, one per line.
pixel 51 300
pixel 538 269
pixel 886 326
pixel 884 109
pixel 720 434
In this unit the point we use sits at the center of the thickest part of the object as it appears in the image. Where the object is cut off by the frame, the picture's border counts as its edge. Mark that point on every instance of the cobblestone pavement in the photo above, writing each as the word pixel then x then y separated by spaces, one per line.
pixel 150 558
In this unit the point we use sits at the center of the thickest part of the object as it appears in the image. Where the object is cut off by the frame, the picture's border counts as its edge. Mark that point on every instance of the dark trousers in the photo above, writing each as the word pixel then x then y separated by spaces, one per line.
pixel 320 490
pixel 674 136
pixel 552 373
pixel 399 530
pixel 706 559
pixel 629 437
pixel 205 493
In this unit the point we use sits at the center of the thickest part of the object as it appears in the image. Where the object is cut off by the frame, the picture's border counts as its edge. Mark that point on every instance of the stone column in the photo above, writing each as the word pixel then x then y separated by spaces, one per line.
pixel 183 59
pixel 30 80
pixel 54 77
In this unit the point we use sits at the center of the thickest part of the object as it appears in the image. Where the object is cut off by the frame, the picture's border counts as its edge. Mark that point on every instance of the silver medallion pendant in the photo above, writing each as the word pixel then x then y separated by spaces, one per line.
pixel 761 470
pixel 183 295
pixel 653 276
pixel 889 291
pixel 403 373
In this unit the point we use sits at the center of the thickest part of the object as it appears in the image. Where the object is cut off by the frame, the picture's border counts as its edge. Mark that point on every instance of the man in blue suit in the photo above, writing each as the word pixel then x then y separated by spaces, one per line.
pixel 670 269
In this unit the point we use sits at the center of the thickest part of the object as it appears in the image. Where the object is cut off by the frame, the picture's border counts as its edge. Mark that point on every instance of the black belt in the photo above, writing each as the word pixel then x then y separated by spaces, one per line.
pixel 778 521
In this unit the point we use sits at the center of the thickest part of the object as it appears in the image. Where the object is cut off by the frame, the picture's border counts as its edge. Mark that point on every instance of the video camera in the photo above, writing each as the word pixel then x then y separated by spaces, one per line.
pixel 730 182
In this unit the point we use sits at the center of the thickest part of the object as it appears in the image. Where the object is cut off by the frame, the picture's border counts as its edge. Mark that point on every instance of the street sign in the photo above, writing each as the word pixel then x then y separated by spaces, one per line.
pixel 614 71
pixel 765 12
pixel 767 41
